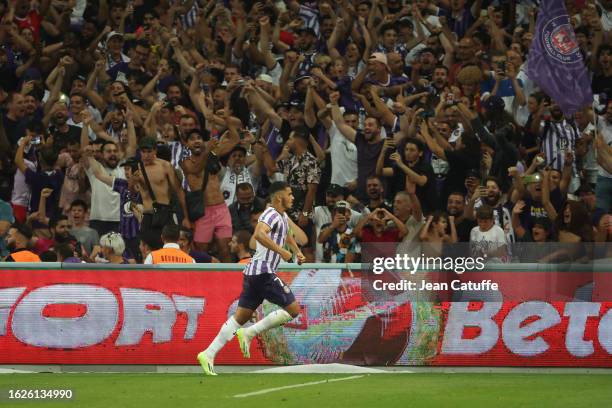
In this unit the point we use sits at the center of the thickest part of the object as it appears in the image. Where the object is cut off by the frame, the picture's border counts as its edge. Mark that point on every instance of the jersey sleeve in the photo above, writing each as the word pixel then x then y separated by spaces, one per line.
pixel 269 217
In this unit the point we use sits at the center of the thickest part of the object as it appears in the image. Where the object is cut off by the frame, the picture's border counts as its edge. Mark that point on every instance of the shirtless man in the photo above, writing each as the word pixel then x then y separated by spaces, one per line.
pixel 216 221
pixel 162 178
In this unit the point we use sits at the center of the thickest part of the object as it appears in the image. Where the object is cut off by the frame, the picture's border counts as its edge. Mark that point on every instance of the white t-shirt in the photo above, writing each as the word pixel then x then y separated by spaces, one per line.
pixel 21 190
pixel 344 157
pixel 104 201
pixel 486 242
pixel 605 129
pixel 230 180
pixel 503 220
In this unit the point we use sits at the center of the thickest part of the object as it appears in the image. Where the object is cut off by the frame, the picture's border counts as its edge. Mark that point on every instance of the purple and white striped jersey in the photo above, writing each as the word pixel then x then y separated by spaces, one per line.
pixel 557 138
pixel 265 260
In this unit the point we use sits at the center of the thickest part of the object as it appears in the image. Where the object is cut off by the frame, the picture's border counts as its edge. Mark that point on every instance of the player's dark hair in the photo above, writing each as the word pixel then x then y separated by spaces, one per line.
pixel 170 233
pixel 276 187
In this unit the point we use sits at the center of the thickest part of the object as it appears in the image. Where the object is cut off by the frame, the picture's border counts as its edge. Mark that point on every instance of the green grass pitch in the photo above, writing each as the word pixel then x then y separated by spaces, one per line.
pixel 371 390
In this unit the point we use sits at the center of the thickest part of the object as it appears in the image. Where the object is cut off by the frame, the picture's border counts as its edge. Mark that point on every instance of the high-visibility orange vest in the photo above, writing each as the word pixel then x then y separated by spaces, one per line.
pixel 25 256
pixel 169 256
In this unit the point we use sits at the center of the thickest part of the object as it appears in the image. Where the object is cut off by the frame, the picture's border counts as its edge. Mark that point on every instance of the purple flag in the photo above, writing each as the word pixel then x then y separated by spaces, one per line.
pixel 555 63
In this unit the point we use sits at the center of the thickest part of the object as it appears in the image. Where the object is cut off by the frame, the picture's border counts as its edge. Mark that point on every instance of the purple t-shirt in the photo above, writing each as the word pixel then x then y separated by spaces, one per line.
pixel 128 223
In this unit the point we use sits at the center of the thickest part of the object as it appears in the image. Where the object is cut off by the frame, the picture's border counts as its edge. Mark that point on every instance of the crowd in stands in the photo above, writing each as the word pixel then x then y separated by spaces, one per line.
pixel 406 122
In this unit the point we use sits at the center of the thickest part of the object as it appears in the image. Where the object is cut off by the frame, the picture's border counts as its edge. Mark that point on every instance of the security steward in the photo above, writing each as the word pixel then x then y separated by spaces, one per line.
pixel 171 252
pixel 18 242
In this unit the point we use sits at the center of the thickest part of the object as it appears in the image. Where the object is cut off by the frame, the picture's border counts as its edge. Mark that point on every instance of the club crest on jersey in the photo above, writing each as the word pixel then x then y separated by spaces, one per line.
pixel 560 41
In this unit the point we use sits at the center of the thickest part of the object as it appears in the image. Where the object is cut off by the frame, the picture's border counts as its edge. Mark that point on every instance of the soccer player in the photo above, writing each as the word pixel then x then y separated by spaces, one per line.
pixel 260 281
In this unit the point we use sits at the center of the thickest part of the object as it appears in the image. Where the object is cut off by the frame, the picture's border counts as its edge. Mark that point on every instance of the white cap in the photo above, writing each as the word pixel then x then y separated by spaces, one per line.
pixel 266 78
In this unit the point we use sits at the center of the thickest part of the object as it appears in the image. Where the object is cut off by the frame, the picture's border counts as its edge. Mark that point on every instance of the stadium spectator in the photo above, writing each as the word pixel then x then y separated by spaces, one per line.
pixel 375 192
pixel 322 214
pixel 171 251
pixel 339 243
pixel 435 233
pixel 246 204
pixel 18 241
pixel 186 244
pixel 104 214
pixel 407 209
pixel 65 253
pixel 239 246
pixel 374 98
pixel 88 237
pixel 111 249
pixel 487 239
pixel 455 207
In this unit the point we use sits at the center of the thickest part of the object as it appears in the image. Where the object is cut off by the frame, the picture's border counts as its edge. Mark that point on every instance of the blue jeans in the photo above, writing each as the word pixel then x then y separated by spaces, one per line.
pixel 603 193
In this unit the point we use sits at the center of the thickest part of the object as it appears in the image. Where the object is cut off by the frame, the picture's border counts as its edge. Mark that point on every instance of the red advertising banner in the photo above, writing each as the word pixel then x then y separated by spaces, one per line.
pixel 166 316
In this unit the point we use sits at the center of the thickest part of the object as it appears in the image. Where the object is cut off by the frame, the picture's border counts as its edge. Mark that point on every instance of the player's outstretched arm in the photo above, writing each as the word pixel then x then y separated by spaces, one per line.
pixel 262 235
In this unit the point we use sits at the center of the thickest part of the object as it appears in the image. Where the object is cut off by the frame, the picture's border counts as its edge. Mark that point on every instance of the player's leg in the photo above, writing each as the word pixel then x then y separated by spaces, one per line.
pixel 248 302
pixel 277 292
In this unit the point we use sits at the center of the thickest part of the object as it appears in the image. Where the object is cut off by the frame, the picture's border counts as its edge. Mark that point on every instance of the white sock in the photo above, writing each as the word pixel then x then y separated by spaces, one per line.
pixel 274 319
pixel 226 333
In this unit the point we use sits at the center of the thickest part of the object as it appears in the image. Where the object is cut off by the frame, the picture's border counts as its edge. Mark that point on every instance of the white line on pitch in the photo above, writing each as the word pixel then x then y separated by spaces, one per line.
pixel 286 387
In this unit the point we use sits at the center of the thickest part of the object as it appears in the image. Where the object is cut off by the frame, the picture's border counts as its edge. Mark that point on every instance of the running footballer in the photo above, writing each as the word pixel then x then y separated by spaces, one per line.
pixel 260 281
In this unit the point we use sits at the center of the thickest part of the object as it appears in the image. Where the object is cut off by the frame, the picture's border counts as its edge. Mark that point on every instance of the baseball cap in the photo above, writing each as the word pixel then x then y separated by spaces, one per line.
pixel 472 173
pixel 266 78
pixel 113 34
pixel 379 57
pixel 147 142
pixel 296 104
pixel 335 190
pixel 342 205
